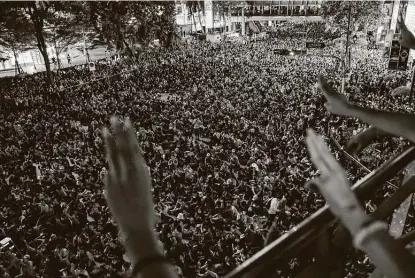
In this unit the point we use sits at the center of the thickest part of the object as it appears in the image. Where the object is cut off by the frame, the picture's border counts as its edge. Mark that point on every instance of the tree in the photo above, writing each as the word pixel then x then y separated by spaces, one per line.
pixel 122 24
pixel 165 25
pixel 362 13
pixel 197 7
pixel 43 21
pixel 64 27
pixel 191 7
pixel 33 17
pixel 15 36
pixel 38 12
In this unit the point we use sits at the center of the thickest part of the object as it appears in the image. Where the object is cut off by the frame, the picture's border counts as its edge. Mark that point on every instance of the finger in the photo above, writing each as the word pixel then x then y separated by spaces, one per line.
pixel 324 86
pixel 123 156
pixel 401 22
pixel 354 148
pixel 107 187
pixel 135 149
pixel 111 192
pixel 327 157
pixel 132 141
pixel 318 152
pixel 111 151
pixel 316 156
pixel 351 145
pixel 358 150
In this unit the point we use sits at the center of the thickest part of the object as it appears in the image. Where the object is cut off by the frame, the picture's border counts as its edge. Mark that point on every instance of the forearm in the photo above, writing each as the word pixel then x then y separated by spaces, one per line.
pixel 398 124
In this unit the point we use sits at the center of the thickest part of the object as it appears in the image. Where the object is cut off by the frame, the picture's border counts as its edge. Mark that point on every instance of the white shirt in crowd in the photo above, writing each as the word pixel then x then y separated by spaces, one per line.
pixel 273 208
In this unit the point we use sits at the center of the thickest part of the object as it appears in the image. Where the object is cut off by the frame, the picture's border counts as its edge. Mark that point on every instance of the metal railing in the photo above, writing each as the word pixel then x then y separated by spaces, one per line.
pixel 291 243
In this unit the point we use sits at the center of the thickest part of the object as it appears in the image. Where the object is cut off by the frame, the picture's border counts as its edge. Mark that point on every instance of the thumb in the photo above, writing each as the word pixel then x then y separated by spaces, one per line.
pixel 401 22
pixel 353 147
pixel 324 86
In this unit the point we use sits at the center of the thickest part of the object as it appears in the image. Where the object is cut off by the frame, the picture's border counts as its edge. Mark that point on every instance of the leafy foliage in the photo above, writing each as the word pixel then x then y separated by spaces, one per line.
pixel 15 36
pixel 64 26
pixel 123 24
pixel 362 13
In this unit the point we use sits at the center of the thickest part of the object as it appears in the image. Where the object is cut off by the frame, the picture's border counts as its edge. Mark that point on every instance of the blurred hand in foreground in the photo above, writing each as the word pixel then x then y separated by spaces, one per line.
pixel 128 183
pixel 333 182
pixel 336 103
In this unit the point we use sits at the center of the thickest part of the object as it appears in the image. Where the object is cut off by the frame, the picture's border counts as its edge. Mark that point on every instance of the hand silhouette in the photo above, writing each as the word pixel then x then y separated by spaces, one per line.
pixel 128 184
pixel 336 103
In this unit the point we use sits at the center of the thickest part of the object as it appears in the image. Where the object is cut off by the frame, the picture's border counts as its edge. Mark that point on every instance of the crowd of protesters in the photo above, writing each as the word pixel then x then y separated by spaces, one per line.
pixel 222 130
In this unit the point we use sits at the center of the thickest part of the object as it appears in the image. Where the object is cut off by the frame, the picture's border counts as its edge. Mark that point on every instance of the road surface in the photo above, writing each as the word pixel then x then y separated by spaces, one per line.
pixel 77 58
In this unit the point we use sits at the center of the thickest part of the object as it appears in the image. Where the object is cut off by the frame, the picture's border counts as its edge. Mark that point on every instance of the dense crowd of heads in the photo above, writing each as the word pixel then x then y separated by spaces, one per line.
pixel 222 130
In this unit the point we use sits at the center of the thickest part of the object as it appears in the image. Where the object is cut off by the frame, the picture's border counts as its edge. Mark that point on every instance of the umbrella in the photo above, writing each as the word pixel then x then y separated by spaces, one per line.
pixel 400 91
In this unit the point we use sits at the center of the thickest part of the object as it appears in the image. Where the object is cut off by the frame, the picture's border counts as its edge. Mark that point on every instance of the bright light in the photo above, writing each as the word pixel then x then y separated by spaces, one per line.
pixel 291 53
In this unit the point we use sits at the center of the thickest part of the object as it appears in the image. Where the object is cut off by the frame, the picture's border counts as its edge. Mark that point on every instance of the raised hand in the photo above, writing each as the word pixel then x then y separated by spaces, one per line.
pixel 128 183
pixel 336 103
pixel 333 182
pixel 407 38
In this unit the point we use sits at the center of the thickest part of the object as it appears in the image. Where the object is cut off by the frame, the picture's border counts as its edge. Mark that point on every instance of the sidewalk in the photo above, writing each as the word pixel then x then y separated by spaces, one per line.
pixel 30 68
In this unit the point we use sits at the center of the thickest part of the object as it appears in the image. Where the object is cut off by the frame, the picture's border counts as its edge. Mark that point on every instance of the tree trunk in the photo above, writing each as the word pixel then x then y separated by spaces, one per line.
pixel 16 63
pixel 223 19
pixel 41 44
pixel 213 18
pixel 17 66
pixel 56 51
pixel 200 18
pixel 127 46
pixel 43 50
pixel 194 21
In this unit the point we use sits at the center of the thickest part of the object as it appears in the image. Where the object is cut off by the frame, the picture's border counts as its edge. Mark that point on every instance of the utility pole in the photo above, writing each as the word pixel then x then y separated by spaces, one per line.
pixel 224 19
pixel 243 19
pixel 348 31
pixel 346 54
pixel 411 94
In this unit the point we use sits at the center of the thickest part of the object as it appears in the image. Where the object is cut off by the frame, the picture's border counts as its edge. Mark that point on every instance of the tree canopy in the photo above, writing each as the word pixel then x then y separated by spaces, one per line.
pixel 59 24
pixel 363 14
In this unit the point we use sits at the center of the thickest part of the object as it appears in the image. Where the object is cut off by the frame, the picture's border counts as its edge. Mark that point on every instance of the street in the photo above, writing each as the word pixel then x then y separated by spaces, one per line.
pixel 77 58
